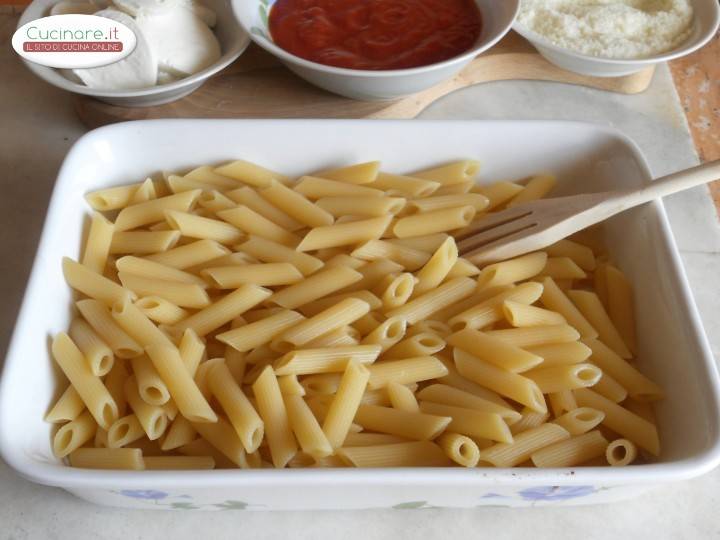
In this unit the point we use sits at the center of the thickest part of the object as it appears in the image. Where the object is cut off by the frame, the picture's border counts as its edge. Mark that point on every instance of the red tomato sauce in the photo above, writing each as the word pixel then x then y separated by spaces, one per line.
pixel 375 34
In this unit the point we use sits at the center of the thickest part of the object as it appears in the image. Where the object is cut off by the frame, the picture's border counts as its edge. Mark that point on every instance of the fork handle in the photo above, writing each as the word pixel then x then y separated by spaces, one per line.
pixel 672 183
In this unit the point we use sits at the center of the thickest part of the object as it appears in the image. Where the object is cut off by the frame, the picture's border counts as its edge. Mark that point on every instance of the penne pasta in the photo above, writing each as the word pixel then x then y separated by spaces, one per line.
pixel 435 221
pixel 253 335
pixel 512 270
pixel 415 426
pixel 345 404
pixel 272 410
pixel 190 255
pixel 360 173
pixel 580 420
pixel 124 431
pixel 296 205
pixel 249 197
pixel 268 274
pixel 620 452
pixel 592 309
pixel 401 397
pixel 151 387
pixel 222 437
pixel 318 188
pixel 248 173
pixel 269 251
pixel 204 228
pixel 74 434
pixel 89 387
pixel 364 206
pixel 405 185
pixel 224 310
pixel 521 315
pixel 152 269
pixel 524 445
pixel 555 299
pixel 253 223
pixel 67 408
pixel 620 306
pixel 331 360
pixel 421 344
pixel 164 463
pixel 188 295
pixel 97 246
pixel 536 188
pixel 448 395
pixel 409 370
pixel 488 311
pixel 536 335
pixel 582 255
pixel 114 198
pixel 459 448
pixel 437 267
pixel 562 268
pixel 344 234
pixel 152 418
pixel 92 284
pixel 505 383
pixel 152 211
pixel 98 354
pixel 107 458
pixel 376 250
pixel 572 352
pixel 308 432
pixel 316 286
pixel 564 377
pixel 409 454
pixel 571 452
pixel 471 422
pixel 160 310
pixel 428 303
pixel 452 173
pixel 494 350
pixel 143 242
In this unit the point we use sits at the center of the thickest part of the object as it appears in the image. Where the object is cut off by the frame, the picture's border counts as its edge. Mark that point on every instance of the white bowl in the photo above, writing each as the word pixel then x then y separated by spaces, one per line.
pixel 586 157
pixel 497 18
pixel 705 25
pixel 233 41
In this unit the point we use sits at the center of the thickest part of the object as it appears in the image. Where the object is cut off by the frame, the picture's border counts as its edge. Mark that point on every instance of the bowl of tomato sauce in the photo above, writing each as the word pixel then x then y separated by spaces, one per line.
pixel 376 49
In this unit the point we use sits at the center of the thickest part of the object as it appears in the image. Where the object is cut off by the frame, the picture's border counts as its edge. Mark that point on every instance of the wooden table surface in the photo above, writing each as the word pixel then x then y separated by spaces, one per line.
pixel 697 80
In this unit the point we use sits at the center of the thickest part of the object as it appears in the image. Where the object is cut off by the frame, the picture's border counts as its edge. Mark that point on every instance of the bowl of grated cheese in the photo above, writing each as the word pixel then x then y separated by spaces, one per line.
pixel 612 38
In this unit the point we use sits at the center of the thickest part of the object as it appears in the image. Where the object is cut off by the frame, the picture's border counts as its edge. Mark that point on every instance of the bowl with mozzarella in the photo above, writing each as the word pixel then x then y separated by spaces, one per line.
pixel 180 44
pixel 207 327
pixel 375 50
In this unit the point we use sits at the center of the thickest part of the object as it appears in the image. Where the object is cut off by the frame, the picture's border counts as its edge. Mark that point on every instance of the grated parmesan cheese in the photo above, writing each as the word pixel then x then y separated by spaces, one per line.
pixel 610 28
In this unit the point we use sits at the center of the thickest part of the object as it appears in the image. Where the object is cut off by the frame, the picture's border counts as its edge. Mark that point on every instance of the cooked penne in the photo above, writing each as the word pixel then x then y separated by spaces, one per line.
pixel 189 295
pixel 428 303
pixel 435 221
pixel 272 410
pixel 250 198
pixel 191 349
pixel 620 452
pixel 580 420
pixel 308 432
pixel 250 336
pixel 494 350
pixel 401 397
pixel 115 384
pixel 454 379
pixel 428 242
pixel 505 383
pixel 221 437
pixel 522 315
pixel 405 185
pixel 571 452
pixel 97 353
pixel 74 434
pixel 267 274
pixel 422 344
pixel 461 268
pixel 97 246
pixel 184 391
pixel 365 206
pixel 92 284
pixel 409 370
pixel 489 311
pixel 360 173
pixel 572 352
pixel 151 387
pixel 143 242
pixel 536 335
pixel 248 173
pixel 89 387
pixel 253 223
pixel 242 415
pixel 316 306
pixel 415 426
pixel 555 299
pixel 609 388
pixel 476 200
pixel 344 336
pixel 471 422
pixel 124 431
pixel 536 188
pixel 180 184
pixel 67 408
pixel 638 385
pixel 316 286
pixel 622 421
pixel 582 255
pixel 437 268
pixel 180 433
pixel 512 270
pixel 137 215
pixel 331 360
pixel 448 395
pixel 107 458
pixel 152 418
pixel 562 402
pixel 452 173
pixel 215 201
pixel 620 306
pixel 269 251
pixel 592 309
pixel 290 386
pixel 152 269
pixel 164 463
pixel 562 268
pixel 371 439
pixel 189 255
pixel 524 445
pixel 376 250
pixel 224 310
pixel 160 310
pixel 344 405
pixel 529 419
pixel 409 454
pixel 344 234
pixel 296 205
pixel 133 321
pixel 204 228
pixel 564 377
pixel 459 448
pixel 318 188
pixel 114 198
pixel 337 316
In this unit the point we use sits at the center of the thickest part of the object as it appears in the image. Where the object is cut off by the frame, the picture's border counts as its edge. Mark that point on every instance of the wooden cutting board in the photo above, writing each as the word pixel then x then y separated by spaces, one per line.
pixel 259 86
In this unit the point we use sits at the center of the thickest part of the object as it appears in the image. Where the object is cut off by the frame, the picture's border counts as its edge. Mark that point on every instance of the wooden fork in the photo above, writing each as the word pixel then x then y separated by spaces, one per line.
pixel 538 224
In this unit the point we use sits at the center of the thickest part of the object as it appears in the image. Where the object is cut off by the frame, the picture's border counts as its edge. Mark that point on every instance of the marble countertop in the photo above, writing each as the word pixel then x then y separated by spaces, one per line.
pixel 39 126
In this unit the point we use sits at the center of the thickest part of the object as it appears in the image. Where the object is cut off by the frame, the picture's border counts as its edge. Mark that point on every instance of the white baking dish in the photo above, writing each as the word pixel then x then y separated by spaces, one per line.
pixel 586 157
